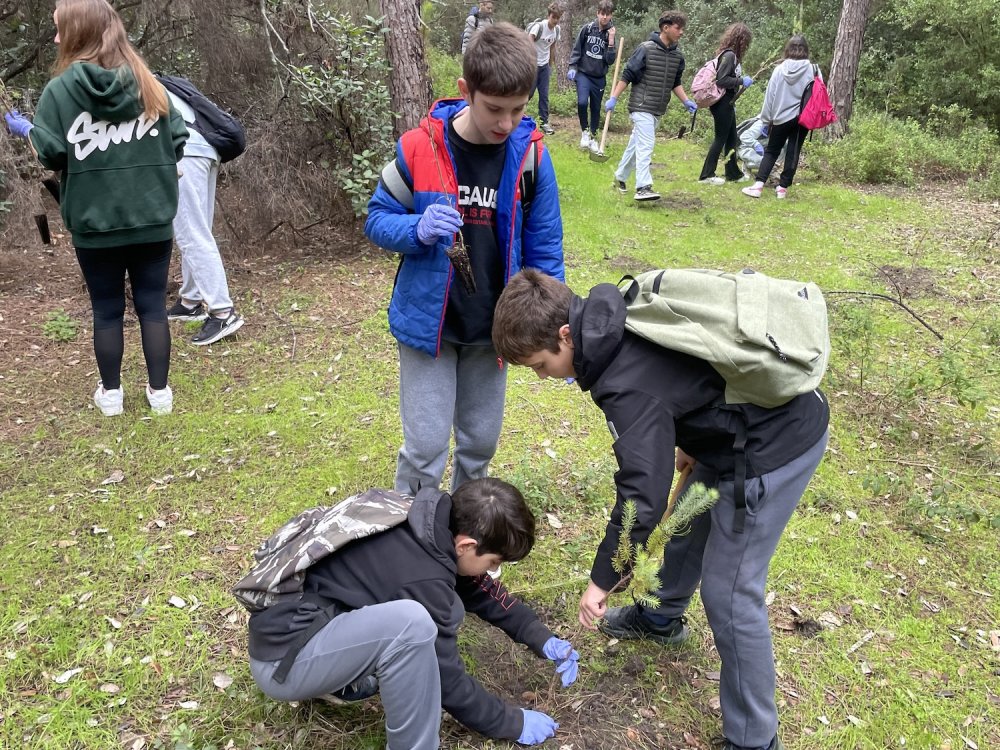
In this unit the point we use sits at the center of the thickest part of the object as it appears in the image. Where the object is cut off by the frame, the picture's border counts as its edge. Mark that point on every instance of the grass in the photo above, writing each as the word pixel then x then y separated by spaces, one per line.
pixel 894 546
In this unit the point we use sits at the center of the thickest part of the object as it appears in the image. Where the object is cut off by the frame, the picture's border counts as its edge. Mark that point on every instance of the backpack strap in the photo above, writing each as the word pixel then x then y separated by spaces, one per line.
pixel 529 176
pixel 739 424
pixel 397 185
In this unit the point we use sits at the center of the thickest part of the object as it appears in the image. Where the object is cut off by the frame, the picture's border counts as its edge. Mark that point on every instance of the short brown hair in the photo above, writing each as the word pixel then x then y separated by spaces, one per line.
pixel 554 9
pixel 606 6
pixel 797 48
pixel 672 18
pixel 528 316
pixel 500 60
pixel 495 514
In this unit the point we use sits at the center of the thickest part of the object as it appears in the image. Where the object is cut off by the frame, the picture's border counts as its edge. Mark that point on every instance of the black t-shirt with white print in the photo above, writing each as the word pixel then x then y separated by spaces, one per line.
pixel 469 319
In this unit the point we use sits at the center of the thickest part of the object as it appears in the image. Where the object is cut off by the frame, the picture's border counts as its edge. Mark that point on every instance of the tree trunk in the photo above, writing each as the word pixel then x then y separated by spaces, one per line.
pixel 844 69
pixel 409 82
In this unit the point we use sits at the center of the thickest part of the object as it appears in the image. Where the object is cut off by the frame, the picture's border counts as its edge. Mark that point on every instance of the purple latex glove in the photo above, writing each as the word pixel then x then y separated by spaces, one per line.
pixel 18 124
pixel 538 727
pixel 566 659
pixel 437 221
pixel 691 106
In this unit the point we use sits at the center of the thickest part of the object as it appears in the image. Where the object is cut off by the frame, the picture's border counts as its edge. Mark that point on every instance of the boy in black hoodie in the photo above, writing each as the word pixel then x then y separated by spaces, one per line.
pixel 662 408
pixel 399 599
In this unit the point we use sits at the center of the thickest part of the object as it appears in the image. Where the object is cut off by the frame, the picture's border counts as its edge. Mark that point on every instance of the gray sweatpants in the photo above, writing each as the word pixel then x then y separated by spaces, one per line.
pixel 203 279
pixel 733 569
pixel 393 641
pixel 463 388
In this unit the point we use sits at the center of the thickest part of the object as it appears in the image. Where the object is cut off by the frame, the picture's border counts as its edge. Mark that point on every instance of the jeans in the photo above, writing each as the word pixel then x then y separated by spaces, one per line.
pixel 203 277
pixel 463 389
pixel 104 271
pixel 541 85
pixel 589 92
pixel 724 119
pixel 638 155
pixel 787 132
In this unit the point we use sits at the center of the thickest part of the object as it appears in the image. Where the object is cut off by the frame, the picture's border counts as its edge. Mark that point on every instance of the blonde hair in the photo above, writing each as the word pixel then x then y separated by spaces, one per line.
pixel 92 31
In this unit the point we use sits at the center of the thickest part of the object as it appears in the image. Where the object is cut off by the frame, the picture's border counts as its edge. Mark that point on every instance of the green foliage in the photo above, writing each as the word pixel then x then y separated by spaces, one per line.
pixel 444 70
pixel 60 327
pixel 347 93
pixel 639 564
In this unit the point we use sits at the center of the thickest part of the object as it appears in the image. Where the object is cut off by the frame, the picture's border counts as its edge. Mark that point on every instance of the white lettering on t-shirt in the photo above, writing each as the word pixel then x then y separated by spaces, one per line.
pixel 88 135
pixel 477 196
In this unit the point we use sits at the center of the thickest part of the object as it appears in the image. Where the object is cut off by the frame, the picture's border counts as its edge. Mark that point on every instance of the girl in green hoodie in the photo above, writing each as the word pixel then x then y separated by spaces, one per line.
pixel 105 123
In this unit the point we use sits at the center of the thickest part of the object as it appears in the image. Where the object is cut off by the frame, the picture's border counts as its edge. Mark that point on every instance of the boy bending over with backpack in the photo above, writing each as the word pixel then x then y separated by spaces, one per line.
pixel 666 408
pixel 382 614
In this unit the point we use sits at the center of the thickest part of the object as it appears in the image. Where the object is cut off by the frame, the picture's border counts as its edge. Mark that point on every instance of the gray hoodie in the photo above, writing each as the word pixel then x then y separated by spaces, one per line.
pixel 784 91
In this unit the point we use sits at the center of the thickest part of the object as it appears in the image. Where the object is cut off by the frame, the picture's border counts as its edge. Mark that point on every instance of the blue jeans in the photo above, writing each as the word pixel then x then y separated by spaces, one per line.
pixel 589 92
pixel 541 85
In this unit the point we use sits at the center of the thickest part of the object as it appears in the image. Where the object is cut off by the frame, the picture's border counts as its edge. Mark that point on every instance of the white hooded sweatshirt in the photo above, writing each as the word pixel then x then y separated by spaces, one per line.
pixel 784 91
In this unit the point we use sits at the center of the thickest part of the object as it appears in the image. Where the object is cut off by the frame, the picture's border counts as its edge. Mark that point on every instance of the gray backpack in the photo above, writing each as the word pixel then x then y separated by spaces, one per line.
pixel 282 560
pixel 767 338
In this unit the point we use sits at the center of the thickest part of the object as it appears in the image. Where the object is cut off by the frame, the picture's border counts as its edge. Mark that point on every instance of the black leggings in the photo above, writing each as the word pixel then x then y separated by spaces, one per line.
pixel 724 118
pixel 792 133
pixel 104 271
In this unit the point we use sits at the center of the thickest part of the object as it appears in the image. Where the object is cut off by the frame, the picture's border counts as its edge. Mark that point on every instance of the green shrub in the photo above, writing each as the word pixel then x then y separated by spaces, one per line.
pixel 444 70
pixel 59 327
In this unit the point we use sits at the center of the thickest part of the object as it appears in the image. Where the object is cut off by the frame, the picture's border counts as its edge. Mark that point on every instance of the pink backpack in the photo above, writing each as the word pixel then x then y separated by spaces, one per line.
pixel 704 90
pixel 816 110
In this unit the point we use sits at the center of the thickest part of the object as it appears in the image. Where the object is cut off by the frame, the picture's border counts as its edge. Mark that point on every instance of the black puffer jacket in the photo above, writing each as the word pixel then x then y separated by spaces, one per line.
pixel 415 561
pixel 655 400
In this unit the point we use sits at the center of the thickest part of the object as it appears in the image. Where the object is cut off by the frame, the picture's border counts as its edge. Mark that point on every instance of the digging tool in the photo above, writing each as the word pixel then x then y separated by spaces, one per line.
pixel 681 479
pixel 684 129
pixel 601 157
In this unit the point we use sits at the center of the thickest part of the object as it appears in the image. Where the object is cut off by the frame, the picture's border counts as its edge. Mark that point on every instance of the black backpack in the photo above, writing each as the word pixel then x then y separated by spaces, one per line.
pixel 222 131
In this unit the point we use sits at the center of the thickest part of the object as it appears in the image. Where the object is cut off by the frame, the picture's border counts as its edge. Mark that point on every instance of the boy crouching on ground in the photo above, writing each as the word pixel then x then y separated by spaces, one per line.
pixel 656 402
pixel 399 597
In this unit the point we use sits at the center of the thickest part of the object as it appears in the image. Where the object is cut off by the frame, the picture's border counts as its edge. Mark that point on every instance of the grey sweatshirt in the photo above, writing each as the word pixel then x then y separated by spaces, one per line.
pixel 784 91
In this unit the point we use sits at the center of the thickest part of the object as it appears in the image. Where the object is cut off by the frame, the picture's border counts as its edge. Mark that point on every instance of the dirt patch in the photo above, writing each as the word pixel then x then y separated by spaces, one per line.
pixel 908 282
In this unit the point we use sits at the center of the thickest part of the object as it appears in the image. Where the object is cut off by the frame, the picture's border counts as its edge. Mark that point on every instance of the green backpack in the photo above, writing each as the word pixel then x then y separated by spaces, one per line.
pixel 767 337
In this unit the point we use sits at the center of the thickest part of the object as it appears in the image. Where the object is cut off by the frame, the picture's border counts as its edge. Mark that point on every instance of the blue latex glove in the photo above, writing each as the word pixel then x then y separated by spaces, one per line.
pixel 610 103
pixel 747 80
pixel 763 130
pixel 566 659
pixel 758 148
pixel 571 74
pixel 691 106
pixel 438 221
pixel 18 124
pixel 538 727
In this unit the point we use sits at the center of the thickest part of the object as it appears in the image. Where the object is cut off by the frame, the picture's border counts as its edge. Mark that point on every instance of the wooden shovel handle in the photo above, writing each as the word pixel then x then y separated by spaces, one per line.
pixel 681 479
pixel 614 78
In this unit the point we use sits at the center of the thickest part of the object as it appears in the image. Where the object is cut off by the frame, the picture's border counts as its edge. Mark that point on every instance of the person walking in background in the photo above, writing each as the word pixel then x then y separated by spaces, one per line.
pixel 782 106
pixel 459 173
pixel 119 195
pixel 654 70
pixel 729 76
pixel 593 52
pixel 477 20
pixel 204 293
pixel 545 33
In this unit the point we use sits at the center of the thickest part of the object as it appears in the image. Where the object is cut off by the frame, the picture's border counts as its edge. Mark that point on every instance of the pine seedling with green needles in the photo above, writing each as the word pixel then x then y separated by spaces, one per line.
pixel 639 564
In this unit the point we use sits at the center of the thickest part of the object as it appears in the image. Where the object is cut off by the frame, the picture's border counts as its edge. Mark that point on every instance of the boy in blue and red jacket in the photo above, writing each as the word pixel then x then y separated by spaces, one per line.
pixel 476 168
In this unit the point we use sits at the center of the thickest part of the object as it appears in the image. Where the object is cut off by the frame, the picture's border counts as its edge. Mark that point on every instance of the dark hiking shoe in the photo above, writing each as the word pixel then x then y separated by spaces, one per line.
pixel 628 623
pixel 180 311
pixel 360 690
pixel 547 129
pixel 645 193
pixel 621 186
pixel 217 328
pixel 775 745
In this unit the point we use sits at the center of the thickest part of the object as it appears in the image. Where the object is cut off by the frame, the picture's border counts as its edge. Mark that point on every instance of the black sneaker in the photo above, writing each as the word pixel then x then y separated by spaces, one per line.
pixel 360 690
pixel 628 623
pixel 645 193
pixel 547 129
pixel 180 311
pixel 622 187
pixel 217 328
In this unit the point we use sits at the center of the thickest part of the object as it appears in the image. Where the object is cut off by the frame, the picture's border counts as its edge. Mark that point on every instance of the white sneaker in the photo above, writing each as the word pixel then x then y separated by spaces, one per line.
pixel 780 193
pixel 162 401
pixel 595 147
pixel 111 403
pixel 754 191
pixel 585 139
pixel 713 181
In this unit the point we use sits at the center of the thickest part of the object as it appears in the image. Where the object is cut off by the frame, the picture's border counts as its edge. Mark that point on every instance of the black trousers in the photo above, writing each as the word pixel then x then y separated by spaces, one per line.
pixel 104 270
pixel 787 132
pixel 724 119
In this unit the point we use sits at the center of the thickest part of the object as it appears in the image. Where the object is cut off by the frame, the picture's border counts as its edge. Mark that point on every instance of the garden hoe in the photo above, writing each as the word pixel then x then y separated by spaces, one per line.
pixel 599 156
